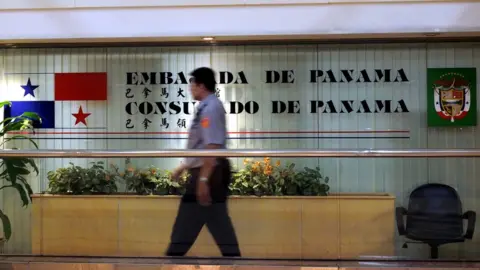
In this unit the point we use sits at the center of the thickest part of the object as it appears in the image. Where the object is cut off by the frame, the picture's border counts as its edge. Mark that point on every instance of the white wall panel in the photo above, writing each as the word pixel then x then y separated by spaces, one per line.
pixel 154 3
pixel 58 4
pixel 264 130
pixel 36 4
pixel 326 21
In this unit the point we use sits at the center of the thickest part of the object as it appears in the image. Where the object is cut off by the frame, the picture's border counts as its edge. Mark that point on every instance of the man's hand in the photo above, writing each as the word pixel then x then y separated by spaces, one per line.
pixel 203 194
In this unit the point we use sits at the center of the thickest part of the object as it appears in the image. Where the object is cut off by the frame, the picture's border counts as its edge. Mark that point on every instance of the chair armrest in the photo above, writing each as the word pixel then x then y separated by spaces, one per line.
pixel 399 213
pixel 471 217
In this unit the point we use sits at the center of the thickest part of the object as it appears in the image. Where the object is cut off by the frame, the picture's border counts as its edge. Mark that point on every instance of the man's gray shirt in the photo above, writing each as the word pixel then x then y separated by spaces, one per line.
pixel 208 127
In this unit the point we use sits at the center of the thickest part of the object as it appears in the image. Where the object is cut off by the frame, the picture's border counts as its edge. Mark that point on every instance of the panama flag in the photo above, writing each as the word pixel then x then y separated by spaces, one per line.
pixel 91 86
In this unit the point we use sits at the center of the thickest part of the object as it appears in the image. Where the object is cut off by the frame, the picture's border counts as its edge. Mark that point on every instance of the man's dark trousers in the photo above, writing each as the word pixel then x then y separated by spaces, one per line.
pixel 192 216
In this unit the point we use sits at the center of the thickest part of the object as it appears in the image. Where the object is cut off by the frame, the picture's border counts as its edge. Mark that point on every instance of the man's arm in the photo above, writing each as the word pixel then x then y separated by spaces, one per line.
pixel 213 133
pixel 213 136
pixel 208 163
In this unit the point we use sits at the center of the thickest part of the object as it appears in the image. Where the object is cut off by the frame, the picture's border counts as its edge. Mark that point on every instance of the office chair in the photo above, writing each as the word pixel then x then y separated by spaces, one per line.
pixel 434 217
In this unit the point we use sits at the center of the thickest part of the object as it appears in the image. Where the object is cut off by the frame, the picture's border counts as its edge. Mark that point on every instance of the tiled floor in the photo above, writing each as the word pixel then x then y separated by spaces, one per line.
pixel 78 263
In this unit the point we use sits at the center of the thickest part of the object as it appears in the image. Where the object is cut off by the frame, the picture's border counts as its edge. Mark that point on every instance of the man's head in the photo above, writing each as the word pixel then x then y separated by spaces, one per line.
pixel 202 82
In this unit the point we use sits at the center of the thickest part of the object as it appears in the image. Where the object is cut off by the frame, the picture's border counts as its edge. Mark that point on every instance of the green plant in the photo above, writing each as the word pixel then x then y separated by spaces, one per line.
pixel 286 179
pixel 254 178
pixel 77 180
pixel 15 170
pixel 152 181
pixel 99 180
pixel 166 186
pixel 141 181
pixel 311 182
pixel 262 178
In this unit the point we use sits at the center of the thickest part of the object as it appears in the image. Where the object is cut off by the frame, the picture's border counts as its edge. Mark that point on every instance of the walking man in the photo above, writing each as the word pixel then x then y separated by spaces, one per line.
pixel 205 199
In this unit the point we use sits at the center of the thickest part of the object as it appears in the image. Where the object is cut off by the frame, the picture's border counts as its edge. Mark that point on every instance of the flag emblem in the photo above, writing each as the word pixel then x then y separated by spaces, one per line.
pixel 68 89
pixel 451 97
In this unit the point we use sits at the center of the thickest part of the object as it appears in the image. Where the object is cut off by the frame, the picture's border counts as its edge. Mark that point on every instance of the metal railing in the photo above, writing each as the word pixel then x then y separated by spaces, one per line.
pixel 301 153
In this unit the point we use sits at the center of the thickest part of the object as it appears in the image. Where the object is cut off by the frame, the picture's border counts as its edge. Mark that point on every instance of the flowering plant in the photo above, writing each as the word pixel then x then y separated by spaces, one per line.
pixel 262 178
pixel 166 186
pixel 152 181
pixel 141 181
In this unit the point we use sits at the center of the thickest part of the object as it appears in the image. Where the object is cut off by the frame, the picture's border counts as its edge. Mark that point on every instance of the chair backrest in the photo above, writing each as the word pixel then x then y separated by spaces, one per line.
pixel 435 212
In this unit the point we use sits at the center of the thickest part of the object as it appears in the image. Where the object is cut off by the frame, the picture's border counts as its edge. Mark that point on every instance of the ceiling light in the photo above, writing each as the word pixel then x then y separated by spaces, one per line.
pixel 208 38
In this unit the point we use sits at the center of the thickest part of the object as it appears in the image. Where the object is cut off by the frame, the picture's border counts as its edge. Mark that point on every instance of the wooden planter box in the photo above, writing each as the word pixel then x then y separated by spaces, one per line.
pixel 338 226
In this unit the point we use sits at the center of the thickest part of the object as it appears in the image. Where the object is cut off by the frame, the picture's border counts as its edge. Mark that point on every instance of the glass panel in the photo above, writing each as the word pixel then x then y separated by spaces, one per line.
pixel 278 208
pixel 275 97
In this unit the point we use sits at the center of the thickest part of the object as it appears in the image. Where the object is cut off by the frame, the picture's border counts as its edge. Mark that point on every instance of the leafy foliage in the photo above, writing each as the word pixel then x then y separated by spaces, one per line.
pixel 14 171
pixel 152 181
pixel 310 182
pixel 142 182
pixel 260 178
pixel 166 186
pixel 77 180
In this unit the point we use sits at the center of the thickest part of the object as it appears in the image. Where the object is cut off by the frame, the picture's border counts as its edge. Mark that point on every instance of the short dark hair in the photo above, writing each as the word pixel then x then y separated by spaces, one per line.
pixel 205 76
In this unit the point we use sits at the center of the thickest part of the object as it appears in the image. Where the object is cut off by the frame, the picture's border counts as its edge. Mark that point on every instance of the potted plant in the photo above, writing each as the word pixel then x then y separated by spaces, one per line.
pixel 149 181
pixel 14 171
pixel 264 178
pixel 76 180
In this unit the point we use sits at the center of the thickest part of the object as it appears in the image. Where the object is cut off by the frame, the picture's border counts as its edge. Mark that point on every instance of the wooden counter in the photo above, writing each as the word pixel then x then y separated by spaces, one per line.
pixel 338 226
